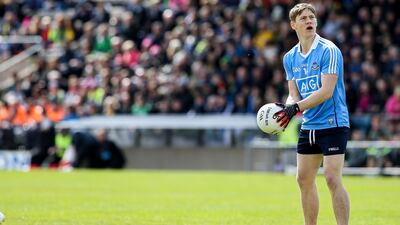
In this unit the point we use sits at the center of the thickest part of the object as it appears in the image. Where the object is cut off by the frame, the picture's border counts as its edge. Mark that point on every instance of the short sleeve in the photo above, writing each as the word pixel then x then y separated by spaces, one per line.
pixel 288 67
pixel 331 61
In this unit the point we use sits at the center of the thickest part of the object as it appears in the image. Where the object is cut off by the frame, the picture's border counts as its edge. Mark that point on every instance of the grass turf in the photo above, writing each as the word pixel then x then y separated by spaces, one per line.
pixel 137 197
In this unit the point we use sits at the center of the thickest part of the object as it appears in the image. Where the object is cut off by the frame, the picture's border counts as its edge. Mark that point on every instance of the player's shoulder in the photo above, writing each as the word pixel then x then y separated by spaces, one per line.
pixel 291 53
pixel 327 45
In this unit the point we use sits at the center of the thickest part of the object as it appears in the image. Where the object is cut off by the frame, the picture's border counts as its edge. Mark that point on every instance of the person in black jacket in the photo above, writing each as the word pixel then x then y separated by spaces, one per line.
pixel 86 147
pixel 96 151
pixel 110 155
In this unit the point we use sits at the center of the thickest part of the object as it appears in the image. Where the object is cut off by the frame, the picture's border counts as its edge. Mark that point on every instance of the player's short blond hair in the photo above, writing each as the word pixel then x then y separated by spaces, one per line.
pixel 299 8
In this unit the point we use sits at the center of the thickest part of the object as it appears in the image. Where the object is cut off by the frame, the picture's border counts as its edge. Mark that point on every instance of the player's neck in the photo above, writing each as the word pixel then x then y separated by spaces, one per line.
pixel 306 43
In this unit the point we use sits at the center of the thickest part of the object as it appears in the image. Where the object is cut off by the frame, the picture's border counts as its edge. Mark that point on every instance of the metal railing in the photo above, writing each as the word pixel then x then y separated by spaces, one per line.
pixel 20 63
pixel 274 151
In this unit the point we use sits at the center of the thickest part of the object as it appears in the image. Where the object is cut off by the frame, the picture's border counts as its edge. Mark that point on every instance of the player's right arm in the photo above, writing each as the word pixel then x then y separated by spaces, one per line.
pixel 294 95
pixel 290 108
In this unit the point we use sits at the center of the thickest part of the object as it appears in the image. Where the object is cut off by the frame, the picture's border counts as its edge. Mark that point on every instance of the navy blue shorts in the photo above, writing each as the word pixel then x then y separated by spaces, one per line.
pixel 331 141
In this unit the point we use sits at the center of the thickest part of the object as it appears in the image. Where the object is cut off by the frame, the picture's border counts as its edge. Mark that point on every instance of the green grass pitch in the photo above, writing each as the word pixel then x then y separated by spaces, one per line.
pixel 140 197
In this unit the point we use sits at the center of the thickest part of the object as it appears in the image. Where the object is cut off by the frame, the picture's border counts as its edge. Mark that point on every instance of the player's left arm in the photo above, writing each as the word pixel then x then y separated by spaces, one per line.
pixel 328 83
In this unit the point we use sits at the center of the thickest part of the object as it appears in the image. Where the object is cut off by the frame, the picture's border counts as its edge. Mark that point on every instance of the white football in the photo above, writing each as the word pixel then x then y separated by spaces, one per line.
pixel 266 120
pixel 2 217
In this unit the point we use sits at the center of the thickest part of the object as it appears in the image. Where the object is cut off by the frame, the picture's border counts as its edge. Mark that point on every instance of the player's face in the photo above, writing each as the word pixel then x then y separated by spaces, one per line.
pixel 305 24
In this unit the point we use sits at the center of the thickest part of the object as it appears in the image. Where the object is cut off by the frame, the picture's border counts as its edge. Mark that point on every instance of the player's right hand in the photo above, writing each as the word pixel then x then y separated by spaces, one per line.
pixel 286 114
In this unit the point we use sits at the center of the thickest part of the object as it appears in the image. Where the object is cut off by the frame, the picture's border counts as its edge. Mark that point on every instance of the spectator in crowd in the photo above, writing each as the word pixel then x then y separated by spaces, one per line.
pixel 9 23
pixel 356 157
pixel 139 107
pixel 61 30
pixel 381 94
pixel 393 106
pixel 46 140
pixel 93 151
pixel 86 148
pixel 63 141
pixel 395 156
pixel 110 155
pixel 378 130
pixel 379 157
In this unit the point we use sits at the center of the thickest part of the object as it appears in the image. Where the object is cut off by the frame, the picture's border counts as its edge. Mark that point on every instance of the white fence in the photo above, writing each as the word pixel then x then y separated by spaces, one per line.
pixel 276 152
pixel 182 122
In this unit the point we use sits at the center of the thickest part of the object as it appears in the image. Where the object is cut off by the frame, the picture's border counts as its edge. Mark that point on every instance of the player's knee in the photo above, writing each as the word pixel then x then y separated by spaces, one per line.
pixel 332 180
pixel 304 180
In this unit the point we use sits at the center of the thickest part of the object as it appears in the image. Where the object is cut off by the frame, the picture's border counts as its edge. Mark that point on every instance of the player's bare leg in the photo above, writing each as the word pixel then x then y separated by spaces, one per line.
pixel 333 166
pixel 307 169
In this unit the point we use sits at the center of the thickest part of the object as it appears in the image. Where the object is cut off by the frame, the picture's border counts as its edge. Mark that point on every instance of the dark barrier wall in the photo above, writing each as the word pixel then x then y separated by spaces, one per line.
pixel 204 159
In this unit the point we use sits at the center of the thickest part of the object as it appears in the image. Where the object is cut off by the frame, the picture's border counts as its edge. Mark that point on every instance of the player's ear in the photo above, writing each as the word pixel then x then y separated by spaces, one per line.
pixel 293 24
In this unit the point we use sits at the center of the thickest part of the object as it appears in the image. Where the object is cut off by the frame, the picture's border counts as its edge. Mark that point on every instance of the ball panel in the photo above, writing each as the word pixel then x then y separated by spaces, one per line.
pixel 266 120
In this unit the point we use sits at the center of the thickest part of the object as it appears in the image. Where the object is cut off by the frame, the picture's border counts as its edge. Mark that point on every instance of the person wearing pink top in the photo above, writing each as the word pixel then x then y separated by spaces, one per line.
pixel 393 105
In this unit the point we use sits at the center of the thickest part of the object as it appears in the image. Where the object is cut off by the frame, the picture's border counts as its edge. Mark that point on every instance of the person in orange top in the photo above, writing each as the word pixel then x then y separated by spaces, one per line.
pixel 18 114
pixel 35 112
pixel 55 111
pixel 4 114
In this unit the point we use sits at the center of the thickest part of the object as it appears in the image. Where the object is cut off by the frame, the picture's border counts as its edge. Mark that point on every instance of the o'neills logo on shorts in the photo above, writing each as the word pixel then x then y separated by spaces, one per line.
pixel 333 149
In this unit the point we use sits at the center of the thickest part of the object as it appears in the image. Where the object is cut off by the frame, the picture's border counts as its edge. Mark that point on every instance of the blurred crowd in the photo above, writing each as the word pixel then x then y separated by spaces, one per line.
pixel 192 56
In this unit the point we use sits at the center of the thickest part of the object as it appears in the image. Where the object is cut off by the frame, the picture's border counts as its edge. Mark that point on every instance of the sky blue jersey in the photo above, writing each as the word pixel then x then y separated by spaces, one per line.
pixel 306 70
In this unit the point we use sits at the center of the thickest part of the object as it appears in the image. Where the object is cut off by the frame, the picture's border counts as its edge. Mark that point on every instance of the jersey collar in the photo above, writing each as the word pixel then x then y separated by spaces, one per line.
pixel 313 46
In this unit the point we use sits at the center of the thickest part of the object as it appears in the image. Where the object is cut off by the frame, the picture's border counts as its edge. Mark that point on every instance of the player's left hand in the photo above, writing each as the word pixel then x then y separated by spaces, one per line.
pixel 286 114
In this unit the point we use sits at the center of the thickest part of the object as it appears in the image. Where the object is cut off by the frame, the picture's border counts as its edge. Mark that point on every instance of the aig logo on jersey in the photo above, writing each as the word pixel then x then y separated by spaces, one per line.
pixel 307 85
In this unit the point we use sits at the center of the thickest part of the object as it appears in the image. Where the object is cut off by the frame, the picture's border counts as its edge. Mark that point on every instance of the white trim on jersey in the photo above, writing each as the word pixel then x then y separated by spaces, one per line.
pixel 332 60
pixel 313 46
pixel 333 53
